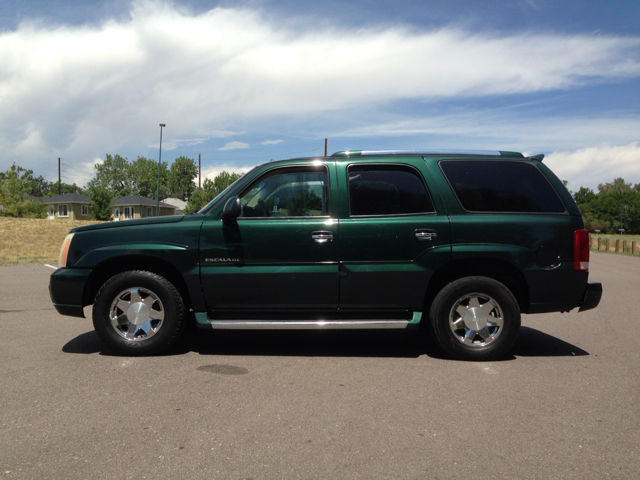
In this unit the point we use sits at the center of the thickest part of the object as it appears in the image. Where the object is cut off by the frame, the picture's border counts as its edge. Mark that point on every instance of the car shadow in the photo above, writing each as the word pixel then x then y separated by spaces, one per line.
pixel 86 344
pixel 534 343
pixel 329 343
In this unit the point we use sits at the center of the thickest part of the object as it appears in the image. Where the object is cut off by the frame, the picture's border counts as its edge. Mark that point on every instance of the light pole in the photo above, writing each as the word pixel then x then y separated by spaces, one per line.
pixel 159 163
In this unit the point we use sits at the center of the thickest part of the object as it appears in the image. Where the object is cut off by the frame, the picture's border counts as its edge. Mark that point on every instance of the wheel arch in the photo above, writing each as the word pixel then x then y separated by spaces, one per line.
pixel 499 270
pixel 115 265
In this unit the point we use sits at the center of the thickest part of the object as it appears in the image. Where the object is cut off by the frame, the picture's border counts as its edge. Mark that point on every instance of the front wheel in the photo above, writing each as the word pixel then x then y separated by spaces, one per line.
pixel 475 318
pixel 138 313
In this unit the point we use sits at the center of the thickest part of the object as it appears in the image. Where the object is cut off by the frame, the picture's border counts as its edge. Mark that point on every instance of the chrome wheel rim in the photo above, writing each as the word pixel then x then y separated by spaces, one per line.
pixel 476 320
pixel 136 314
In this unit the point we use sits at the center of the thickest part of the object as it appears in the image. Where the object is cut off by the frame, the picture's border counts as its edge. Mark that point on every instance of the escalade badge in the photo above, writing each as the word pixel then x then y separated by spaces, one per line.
pixel 221 260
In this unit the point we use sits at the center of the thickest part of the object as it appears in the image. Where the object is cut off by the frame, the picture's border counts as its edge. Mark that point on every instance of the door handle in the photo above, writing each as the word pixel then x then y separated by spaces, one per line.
pixel 425 235
pixel 322 236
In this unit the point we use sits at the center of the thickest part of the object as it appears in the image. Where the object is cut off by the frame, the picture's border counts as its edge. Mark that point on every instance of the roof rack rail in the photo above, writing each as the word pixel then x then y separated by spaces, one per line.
pixel 494 153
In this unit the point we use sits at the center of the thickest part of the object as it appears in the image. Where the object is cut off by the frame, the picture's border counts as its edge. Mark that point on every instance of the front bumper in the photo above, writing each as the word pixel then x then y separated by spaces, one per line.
pixel 66 288
pixel 591 297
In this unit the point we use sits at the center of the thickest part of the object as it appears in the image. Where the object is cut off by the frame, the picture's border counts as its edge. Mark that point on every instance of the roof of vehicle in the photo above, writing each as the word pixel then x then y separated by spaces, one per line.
pixel 492 153
pixel 399 153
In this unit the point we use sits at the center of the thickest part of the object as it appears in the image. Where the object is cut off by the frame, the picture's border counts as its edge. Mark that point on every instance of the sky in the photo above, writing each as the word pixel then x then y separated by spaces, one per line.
pixel 244 82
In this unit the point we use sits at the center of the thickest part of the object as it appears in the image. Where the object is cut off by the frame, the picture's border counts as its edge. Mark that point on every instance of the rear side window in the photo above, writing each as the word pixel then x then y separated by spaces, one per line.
pixel 387 190
pixel 501 186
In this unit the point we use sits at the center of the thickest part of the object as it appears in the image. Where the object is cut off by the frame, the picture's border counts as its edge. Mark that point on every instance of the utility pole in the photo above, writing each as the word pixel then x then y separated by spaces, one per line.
pixel 159 163
pixel 325 147
pixel 59 176
pixel 199 172
pixel 620 197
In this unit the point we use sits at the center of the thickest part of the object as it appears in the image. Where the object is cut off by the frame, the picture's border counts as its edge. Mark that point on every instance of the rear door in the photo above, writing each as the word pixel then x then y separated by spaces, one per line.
pixel 394 233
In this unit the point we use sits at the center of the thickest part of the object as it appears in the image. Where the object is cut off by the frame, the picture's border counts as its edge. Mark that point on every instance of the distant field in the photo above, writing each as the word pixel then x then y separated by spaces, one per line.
pixel 31 240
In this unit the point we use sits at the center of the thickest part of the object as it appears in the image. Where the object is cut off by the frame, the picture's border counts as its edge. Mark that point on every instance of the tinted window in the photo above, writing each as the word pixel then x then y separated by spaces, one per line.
pixel 288 192
pixel 486 186
pixel 387 190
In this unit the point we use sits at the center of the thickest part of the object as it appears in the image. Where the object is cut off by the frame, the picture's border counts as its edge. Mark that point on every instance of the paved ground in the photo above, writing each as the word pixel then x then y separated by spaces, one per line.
pixel 287 405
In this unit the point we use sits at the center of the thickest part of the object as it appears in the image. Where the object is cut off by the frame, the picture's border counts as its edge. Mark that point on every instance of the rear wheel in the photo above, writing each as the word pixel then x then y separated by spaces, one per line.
pixel 475 318
pixel 138 313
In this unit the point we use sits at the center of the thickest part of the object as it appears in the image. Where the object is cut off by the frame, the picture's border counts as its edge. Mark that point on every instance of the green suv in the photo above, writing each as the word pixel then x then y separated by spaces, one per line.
pixel 461 242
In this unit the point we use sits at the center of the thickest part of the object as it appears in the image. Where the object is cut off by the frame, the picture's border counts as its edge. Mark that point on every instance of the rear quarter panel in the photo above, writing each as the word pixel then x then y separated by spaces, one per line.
pixel 516 238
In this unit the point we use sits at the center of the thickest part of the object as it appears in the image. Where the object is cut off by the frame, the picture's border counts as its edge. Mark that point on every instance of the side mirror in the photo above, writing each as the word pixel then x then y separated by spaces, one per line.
pixel 232 209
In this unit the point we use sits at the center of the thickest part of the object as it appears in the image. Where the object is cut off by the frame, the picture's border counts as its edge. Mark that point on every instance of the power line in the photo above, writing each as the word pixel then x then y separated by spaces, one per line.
pixel 79 171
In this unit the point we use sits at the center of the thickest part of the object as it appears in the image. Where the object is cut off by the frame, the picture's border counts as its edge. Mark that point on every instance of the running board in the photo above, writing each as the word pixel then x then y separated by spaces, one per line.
pixel 321 322
pixel 306 324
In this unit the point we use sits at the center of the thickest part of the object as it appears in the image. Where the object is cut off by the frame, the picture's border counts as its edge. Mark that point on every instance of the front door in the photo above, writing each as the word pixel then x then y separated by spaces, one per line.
pixel 394 233
pixel 282 252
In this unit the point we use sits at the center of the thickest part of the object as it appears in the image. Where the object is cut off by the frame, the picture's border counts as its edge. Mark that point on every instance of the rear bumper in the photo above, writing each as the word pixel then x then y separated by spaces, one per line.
pixel 66 287
pixel 591 297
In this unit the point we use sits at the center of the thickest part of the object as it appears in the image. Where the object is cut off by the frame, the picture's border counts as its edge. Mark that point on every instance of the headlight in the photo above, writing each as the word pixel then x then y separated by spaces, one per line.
pixel 62 259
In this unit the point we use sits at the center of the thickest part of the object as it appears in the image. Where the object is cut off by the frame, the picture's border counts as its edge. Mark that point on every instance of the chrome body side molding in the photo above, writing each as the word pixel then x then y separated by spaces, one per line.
pixel 305 324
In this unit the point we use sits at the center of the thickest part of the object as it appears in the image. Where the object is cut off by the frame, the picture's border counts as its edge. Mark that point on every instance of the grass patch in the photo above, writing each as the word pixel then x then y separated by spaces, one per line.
pixel 33 240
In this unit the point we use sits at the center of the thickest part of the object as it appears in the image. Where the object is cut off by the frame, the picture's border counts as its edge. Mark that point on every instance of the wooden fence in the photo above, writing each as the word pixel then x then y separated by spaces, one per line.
pixel 611 245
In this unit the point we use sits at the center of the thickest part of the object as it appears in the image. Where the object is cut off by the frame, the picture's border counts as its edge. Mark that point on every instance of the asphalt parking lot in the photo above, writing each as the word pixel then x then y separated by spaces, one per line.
pixel 320 405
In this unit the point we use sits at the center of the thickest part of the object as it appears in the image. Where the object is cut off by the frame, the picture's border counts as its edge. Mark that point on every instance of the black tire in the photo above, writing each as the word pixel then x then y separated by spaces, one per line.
pixel 475 318
pixel 138 313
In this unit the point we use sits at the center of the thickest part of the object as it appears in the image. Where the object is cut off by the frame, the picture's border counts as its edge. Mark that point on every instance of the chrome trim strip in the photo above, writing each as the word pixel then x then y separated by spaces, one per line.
pixel 305 324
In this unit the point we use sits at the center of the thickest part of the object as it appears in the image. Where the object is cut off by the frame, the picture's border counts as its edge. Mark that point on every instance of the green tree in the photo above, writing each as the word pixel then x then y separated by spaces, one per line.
pixel 115 174
pixel 617 184
pixel 198 199
pixel 15 184
pixel 40 187
pixel 210 190
pixel 101 201
pixel 144 173
pixel 607 209
pixel 181 175
pixel 593 224
pixel 50 189
pixel 113 179
pixel 66 188
pixel 584 195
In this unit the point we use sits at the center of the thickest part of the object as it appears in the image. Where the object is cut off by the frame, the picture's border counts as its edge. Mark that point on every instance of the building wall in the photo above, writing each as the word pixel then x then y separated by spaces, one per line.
pixel 140 212
pixel 74 211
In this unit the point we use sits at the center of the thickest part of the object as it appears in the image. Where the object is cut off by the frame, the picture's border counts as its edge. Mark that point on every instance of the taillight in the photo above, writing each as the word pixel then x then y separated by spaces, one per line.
pixel 581 250
pixel 62 259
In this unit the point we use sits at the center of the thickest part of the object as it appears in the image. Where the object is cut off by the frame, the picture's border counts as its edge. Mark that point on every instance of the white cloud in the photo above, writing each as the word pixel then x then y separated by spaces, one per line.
pixel 271 142
pixel 79 173
pixel 499 129
pixel 188 142
pixel 588 167
pixel 607 154
pixel 212 171
pixel 234 146
pixel 77 92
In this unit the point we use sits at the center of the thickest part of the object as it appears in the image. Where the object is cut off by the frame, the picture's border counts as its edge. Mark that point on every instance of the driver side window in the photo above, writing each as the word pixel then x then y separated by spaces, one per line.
pixel 288 192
